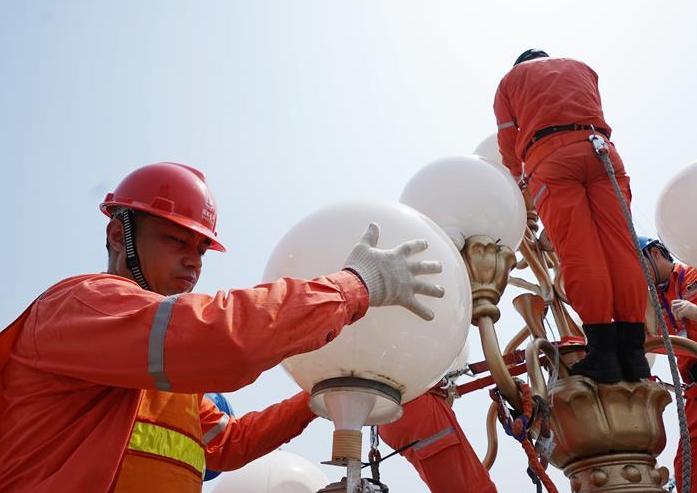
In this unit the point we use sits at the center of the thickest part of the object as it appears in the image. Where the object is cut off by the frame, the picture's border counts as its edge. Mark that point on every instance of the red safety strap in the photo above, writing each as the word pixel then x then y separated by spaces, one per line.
pixel 481 383
pixel 513 358
pixel 518 429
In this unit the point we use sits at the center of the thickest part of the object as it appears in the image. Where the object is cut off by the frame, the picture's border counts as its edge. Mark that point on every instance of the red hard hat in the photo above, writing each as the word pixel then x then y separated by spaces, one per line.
pixel 173 191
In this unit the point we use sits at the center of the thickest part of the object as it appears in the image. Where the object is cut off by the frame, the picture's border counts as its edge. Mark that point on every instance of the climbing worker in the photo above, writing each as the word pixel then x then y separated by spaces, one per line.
pixel 443 456
pixel 546 109
pixel 676 284
pixel 102 376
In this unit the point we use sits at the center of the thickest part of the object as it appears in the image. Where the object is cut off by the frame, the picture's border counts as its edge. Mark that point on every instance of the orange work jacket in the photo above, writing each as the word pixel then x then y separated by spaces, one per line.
pixel 176 436
pixel 543 93
pixel 682 285
pixel 88 351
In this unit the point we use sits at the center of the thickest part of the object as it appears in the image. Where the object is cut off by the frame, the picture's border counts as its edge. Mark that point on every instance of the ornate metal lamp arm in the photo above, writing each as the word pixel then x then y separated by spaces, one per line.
pixel 537 265
pixel 492 447
pixel 655 343
pixel 489 264
pixel 537 380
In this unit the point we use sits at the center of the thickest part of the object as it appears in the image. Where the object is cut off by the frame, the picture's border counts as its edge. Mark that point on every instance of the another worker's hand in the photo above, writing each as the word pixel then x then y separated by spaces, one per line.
pixel 684 309
pixel 389 275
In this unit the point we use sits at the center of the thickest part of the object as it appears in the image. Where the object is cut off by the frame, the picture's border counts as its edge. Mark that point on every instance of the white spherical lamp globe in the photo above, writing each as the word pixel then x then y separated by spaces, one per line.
pixel 489 150
pixel 675 215
pixel 469 194
pixel 390 347
pixel 276 472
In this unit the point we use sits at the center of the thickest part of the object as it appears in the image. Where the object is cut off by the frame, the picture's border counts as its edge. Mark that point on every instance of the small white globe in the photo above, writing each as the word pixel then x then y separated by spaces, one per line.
pixel 471 195
pixel 389 345
pixel 276 472
pixel 489 150
pixel 675 215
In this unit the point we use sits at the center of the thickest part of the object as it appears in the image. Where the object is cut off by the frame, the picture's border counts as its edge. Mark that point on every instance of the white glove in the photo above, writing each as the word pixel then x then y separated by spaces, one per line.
pixel 456 236
pixel 684 309
pixel 390 277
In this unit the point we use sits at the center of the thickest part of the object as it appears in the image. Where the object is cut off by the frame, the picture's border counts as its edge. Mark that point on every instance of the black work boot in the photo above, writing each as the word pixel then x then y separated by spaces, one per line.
pixel 630 351
pixel 601 363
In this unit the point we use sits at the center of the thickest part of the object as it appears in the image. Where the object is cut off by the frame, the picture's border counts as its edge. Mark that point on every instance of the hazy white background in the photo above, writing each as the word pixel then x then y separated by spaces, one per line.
pixel 290 105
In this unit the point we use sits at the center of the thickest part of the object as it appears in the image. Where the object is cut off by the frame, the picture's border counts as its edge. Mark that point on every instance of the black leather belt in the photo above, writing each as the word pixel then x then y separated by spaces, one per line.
pixel 563 128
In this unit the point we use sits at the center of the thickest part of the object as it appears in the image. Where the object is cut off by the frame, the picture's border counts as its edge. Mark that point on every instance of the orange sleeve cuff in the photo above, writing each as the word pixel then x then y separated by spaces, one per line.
pixel 354 292
pixel 303 414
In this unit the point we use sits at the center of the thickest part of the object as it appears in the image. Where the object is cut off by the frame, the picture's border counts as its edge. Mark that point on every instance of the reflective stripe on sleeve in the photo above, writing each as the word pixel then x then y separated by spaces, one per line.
pixel 538 195
pixel 164 442
pixel 156 347
pixel 434 438
pixel 501 126
pixel 219 427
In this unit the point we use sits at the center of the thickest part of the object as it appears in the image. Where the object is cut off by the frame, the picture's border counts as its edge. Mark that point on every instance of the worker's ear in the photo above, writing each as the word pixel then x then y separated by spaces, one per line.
pixel 114 236
pixel 656 254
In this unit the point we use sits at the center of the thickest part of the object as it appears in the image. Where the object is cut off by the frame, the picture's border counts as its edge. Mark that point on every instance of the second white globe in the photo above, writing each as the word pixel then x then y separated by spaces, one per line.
pixel 675 215
pixel 276 472
pixel 489 150
pixel 471 195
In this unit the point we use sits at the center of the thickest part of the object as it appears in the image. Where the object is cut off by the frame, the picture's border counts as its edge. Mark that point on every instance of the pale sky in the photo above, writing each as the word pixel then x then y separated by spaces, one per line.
pixel 292 105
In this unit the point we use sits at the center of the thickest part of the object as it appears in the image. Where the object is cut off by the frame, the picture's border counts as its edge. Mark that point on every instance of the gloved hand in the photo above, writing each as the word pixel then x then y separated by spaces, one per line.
pixel 390 277
pixel 456 236
pixel 684 309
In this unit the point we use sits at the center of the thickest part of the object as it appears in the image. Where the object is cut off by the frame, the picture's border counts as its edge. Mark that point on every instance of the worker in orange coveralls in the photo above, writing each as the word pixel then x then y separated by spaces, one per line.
pixel 102 376
pixel 443 458
pixel 546 108
pixel 677 290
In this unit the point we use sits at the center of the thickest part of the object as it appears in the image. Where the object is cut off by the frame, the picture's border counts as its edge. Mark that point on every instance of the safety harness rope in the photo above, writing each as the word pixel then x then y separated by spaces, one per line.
pixel 603 153
pixel 519 428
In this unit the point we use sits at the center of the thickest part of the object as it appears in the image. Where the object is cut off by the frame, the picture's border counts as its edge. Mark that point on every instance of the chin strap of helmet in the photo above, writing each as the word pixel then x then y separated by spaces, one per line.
pixel 126 217
pixel 654 267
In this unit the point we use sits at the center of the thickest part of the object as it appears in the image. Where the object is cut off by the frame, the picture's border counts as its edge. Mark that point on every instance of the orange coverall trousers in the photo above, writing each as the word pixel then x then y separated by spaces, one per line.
pixel 584 220
pixel 691 415
pixel 445 460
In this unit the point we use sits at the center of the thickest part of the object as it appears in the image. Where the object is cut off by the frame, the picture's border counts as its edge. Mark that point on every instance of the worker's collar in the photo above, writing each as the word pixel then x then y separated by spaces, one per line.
pixel 664 285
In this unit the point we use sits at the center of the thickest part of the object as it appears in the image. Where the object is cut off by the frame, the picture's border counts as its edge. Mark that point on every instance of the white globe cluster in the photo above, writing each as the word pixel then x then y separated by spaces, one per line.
pixel 474 195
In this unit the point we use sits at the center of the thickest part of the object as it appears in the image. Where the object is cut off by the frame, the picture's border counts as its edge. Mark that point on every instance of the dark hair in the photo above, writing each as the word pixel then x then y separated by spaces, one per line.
pixel 530 54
